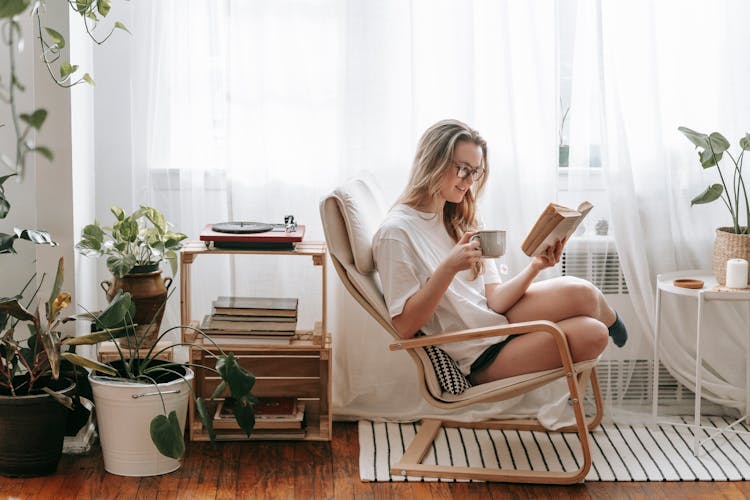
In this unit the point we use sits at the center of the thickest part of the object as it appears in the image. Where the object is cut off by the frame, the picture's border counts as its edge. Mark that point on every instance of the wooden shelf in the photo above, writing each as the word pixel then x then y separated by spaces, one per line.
pixel 301 369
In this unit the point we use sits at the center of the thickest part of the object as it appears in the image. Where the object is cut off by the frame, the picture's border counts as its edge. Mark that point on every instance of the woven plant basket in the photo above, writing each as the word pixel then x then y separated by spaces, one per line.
pixel 729 245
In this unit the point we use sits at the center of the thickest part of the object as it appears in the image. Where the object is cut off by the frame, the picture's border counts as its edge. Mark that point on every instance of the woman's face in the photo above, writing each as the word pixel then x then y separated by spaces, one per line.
pixel 468 155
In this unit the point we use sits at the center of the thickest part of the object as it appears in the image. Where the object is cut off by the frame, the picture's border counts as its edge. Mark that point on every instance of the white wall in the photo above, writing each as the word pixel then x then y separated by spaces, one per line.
pixel 43 198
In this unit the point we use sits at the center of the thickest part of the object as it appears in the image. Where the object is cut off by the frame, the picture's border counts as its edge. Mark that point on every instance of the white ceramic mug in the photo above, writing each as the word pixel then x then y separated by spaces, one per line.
pixel 491 242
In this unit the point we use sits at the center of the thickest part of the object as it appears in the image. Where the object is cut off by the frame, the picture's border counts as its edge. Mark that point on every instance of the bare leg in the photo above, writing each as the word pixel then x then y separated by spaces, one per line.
pixel 557 299
pixel 531 352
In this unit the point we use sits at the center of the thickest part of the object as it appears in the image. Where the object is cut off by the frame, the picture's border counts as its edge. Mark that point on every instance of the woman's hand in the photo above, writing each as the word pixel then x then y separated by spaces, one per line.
pixel 550 257
pixel 465 254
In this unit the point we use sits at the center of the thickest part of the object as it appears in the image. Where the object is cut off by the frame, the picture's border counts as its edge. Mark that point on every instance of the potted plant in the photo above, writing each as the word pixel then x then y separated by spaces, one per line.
pixel 141 401
pixel 135 245
pixel 36 383
pixel 732 242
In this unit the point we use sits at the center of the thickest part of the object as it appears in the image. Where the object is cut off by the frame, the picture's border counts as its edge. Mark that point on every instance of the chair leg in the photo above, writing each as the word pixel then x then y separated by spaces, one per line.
pixel 411 462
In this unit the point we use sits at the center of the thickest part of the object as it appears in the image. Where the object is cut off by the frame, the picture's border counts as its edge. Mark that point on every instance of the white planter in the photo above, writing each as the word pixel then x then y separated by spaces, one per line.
pixel 124 411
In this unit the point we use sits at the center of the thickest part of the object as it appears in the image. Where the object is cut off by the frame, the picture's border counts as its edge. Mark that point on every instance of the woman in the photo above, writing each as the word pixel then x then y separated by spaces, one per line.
pixel 435 281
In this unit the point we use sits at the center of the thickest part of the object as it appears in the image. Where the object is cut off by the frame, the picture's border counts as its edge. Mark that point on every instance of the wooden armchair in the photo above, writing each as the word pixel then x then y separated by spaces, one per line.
pixel 351 214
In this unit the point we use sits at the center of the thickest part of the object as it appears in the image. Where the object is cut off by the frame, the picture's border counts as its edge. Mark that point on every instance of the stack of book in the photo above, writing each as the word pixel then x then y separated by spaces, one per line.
pixel 252 320
pixel 275 418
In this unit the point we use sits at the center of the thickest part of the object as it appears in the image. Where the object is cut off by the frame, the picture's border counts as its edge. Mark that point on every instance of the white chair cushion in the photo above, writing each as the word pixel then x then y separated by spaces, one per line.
pixel 363 210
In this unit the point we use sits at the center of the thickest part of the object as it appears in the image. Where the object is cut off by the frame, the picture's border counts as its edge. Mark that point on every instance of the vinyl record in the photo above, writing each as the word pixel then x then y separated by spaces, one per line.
pixel 241 227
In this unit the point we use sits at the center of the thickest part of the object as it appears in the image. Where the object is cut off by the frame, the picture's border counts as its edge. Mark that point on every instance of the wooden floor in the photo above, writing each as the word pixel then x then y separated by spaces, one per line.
pixel 309 470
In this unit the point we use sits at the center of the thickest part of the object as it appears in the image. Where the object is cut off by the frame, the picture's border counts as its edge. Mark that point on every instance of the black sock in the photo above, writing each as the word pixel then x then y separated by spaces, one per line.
pixel 618 332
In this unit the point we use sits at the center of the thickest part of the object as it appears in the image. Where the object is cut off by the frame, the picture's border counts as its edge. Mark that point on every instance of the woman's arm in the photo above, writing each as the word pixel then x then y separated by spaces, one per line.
pixel 503 296
pixel 420 307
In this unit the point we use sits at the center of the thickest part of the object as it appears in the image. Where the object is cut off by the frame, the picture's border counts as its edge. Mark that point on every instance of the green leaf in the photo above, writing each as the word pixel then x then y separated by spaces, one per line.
pixel 118 212
pixel 67 69
pixel 120 265
pixel 708 159
pixel 11 306
pixel 719 143
pixel 119 310
pixel 51 343
pixel 89 363
pixel 103 7
pixel 5 178
pixel 240 383
pixel 697 138
pixel 200 405
pixel 100 336
pixel 64 400
pixel 87 78
pixel 156 217
pixel 4 205
pixel 35 119
pixel 83 5
pixel 35 236
pixel 6 243
pixel 712 193
pixel 745 142
pixel 10 8
pixel 44 151
pixel 120 26
pixel 219 390
pixel 166 434
pixel 56 287
pixel 57 38
pixel 171 257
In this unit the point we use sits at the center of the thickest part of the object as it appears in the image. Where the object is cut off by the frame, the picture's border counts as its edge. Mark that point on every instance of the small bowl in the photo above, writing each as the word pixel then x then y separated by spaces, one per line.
pixel 688 283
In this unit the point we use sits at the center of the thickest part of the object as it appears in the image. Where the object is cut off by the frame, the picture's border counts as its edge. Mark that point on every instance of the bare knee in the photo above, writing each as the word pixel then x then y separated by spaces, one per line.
pixel 587 339
pixel 584 297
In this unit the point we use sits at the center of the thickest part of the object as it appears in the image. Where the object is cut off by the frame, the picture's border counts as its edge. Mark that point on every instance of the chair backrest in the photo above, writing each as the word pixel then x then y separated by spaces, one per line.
pixel 351 214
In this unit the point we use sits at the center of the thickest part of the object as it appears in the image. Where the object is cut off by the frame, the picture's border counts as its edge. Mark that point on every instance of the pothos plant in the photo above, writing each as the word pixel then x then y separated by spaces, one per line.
pixel 27 366
pixel 711 149
pixel 165 430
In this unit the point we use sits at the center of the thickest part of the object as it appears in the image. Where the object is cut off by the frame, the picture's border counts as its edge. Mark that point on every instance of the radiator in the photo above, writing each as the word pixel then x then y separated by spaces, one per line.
pixel 596 260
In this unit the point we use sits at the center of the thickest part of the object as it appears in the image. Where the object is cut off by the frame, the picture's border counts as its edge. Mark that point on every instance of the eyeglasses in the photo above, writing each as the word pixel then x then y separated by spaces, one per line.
pixel 463 171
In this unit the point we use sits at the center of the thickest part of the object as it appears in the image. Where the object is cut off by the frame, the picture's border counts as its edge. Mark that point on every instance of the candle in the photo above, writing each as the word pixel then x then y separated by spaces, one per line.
pixel 736 273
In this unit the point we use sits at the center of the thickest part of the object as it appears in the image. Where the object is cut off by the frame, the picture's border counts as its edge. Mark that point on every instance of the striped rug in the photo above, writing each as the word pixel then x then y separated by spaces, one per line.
pixel 620 452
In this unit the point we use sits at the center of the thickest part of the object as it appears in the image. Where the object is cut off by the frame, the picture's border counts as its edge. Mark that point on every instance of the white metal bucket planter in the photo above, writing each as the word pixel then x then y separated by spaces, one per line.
pixel 124 411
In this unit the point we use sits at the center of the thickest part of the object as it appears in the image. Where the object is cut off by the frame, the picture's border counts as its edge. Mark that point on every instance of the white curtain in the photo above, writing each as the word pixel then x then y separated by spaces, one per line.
pixel 658 66
pixel 252 110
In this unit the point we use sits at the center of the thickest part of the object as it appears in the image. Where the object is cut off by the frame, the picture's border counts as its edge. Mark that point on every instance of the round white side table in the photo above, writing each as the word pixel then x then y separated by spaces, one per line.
pixel 664 284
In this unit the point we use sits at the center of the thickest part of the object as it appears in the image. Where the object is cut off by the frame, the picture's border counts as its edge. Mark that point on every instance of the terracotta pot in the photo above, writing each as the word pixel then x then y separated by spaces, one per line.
pixel 729 245
pixel 149 293
pixel 31 431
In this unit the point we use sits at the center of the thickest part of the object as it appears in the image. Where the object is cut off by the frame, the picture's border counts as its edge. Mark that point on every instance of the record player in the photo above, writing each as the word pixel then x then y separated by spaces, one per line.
pixel 242 235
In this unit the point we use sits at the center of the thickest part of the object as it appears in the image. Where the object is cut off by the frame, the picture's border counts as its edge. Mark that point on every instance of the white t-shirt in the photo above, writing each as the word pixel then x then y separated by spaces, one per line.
pixel 407 248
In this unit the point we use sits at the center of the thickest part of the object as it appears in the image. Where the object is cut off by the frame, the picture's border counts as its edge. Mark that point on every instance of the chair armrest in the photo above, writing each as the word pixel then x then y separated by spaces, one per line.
pixel 494 331
pixel 478 333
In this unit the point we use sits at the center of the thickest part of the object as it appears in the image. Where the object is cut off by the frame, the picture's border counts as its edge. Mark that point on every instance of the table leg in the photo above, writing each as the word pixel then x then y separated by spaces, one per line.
pixel 747 365
pixel 698 374
pixel 655 390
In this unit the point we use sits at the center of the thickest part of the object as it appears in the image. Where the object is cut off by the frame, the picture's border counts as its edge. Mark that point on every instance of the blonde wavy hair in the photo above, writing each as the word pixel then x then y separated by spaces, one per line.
pixel 433 158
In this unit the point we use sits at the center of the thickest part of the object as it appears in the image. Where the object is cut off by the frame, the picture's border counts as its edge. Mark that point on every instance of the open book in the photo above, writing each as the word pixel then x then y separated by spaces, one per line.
pixel 555 223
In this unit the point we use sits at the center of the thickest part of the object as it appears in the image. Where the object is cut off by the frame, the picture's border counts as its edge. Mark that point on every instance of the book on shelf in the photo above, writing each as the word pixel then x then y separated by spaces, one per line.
pixel 256 306
pixel 240 318
pixel 211 323
pixel 555 223
pixel 236 340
